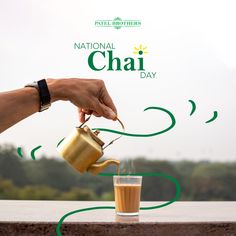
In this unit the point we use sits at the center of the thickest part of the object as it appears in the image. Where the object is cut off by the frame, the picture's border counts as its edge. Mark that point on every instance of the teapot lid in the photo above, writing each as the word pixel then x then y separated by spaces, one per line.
pixel 94 135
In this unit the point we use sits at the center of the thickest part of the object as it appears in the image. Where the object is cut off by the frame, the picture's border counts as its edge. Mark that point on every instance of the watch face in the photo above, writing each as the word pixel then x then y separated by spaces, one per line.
pixel 34 85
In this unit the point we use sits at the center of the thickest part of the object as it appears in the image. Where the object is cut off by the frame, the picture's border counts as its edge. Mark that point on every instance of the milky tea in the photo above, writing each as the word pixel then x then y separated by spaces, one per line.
pixel 127 194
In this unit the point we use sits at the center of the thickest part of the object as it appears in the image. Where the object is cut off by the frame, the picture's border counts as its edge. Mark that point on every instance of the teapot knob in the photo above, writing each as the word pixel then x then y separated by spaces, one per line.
pixel 96 132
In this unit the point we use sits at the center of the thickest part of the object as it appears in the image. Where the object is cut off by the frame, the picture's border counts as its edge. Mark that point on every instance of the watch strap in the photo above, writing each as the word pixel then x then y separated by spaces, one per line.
pixel 44 94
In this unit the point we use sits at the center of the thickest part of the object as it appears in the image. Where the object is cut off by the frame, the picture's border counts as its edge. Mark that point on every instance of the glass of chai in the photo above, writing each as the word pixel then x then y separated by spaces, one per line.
pixel 127 190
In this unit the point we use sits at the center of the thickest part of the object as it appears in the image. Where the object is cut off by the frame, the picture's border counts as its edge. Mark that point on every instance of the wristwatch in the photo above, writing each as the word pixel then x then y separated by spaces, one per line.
pixel 44 94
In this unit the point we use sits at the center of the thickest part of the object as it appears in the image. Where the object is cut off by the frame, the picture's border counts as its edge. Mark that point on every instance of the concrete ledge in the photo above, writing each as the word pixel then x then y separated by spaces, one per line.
pixel 121 229
pixel 180 219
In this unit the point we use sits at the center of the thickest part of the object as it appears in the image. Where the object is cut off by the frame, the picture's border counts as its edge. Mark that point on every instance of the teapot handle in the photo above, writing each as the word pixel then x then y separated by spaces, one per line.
pixel 84 121
pixel 122 125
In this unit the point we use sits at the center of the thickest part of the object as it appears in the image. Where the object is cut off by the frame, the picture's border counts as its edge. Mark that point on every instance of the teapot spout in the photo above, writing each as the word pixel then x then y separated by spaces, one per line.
pixel 100 166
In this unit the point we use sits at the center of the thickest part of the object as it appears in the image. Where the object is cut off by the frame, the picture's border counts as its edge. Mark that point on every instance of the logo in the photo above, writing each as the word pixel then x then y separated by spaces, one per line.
pixel 141 50
pixel 117 23
pixel 102 56
pixel 113 63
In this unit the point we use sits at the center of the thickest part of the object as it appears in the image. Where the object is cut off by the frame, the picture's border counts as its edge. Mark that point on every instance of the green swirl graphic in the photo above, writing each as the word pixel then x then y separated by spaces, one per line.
pixel 215 115
pixel 33 151
pixel 19 151
pixel 173 122
pixel 60 142
pixel 170 178
pixel 193 106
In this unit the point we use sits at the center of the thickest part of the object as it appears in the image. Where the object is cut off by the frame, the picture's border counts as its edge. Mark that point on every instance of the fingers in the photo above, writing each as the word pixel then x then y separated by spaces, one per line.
pixel 106 111
pixel 106 99
pixel 96 114
pixel 81 116
pixel 83 112
pixel 101 110
pixel 87 111
pixel 95 100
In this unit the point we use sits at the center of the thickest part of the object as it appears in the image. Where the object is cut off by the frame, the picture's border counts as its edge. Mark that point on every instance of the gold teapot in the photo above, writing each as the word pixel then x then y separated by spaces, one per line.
pixel 82 148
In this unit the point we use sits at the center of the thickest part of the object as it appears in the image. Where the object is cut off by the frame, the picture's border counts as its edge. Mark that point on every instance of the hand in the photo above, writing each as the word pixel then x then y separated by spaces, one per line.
pixel 89 95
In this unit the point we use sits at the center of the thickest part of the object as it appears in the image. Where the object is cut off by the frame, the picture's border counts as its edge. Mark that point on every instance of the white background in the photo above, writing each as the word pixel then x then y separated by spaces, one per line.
pixel 191 46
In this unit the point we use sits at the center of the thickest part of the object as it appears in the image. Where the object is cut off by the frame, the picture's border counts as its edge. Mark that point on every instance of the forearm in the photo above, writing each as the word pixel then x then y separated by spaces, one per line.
pixel 89 95
pixel 18 104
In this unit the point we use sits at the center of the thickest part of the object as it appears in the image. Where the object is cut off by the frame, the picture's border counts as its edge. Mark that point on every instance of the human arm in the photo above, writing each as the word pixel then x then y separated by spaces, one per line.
pixel 89 95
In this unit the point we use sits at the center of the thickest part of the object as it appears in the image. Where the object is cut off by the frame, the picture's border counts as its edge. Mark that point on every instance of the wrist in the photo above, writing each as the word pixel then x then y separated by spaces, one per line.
pixel 57 89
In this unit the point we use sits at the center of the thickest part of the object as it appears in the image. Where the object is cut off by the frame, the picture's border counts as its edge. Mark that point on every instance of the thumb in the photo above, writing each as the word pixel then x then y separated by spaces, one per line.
pixel 106 112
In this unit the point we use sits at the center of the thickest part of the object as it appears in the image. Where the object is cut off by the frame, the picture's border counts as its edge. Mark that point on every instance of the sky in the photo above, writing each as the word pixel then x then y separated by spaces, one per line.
pixel 191 46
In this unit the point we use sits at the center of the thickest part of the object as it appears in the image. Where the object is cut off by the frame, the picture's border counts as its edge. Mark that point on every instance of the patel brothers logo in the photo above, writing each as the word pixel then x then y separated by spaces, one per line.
pixel 103 57
pixel 117 23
